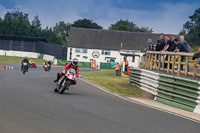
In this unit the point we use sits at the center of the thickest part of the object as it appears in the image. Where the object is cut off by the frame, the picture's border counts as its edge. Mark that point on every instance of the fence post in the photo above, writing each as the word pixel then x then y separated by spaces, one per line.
pixel 155 61
pixel 179 64
pixel 194 67
pixel 163 62
pixel 159 61
pixel 151 63
pixel 168 63
pixel 173 63
pixel 186 65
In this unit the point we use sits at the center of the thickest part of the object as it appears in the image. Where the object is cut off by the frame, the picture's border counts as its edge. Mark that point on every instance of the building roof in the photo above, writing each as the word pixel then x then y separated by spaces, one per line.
pixel 31 39
pixel 109 40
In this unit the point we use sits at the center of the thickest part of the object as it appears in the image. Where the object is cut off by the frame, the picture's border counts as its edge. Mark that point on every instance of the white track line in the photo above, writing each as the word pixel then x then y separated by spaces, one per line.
pixel 130 100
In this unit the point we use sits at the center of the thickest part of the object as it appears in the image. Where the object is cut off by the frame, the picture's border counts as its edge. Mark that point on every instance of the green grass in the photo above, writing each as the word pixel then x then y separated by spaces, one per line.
pixel 119 86
pixel 18 60
pixel 105 73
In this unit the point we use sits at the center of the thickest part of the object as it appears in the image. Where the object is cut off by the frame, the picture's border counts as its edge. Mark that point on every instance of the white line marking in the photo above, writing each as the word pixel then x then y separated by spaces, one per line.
pixel 130 100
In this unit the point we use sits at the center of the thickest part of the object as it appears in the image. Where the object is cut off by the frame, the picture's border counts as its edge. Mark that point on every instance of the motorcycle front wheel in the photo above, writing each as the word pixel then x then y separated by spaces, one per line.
pixel 64 86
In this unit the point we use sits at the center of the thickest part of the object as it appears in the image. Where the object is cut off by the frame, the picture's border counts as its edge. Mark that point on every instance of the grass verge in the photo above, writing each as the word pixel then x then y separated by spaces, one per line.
pixel 18 60
pixel 117 85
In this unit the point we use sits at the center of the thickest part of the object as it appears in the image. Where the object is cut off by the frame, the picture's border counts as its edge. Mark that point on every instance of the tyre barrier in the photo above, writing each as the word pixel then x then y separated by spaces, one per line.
pixel 8 67
pixel 171 90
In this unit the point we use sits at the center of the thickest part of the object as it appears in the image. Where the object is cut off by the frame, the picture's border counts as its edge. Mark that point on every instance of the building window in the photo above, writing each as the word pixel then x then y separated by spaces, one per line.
pixel 81 50
pixel 106 52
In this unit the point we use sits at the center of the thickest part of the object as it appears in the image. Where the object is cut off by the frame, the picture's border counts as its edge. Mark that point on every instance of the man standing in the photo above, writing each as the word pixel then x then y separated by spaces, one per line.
pixel 182 40
pixel 160 43
pixel 151 46
pixel 181 48
pixel 126 64
pixel 117 69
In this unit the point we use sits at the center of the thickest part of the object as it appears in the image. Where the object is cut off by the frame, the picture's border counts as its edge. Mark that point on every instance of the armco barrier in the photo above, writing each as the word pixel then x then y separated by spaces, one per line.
pixel 175 91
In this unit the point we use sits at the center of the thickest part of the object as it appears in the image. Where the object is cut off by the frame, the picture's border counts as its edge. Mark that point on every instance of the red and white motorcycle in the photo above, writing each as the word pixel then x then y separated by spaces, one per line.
pixel 65 80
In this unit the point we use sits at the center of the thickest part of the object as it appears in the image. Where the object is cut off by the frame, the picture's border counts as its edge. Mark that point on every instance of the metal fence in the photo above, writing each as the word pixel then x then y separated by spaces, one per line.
pixel 60 52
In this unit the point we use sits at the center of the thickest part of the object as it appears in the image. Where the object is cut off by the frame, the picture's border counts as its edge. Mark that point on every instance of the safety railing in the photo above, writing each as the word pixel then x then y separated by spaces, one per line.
pixel 172 62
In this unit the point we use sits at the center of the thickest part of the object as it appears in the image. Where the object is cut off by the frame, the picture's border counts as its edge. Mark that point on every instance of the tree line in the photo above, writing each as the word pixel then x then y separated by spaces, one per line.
pixel 17 23
pixel 191 29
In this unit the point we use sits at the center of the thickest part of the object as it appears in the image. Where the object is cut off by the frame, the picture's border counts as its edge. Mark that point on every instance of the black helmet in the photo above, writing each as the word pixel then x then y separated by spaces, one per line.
pixel 75 61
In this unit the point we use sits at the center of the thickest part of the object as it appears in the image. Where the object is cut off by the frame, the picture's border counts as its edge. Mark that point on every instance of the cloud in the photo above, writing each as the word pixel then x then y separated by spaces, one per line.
pixel 166 18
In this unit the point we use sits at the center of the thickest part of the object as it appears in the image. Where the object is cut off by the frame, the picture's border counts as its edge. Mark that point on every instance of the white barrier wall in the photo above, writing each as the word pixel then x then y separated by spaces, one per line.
pixel 2 52
pixel 28 54
pixel 22 54
pixel 49 57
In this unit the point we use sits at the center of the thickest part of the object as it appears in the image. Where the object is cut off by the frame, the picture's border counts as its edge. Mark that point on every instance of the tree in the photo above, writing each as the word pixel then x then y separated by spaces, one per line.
pixel 125 25
pixel 62 29
pixel 16 23
pixel 36 22
pixel 86 23
pixel 191 29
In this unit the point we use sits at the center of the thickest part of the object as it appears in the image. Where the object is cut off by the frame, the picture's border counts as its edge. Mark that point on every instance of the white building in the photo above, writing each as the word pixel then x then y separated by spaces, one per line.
pixel 105 46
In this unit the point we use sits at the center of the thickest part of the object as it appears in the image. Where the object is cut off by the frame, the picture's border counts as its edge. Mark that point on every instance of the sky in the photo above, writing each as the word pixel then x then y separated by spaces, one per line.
pixel 164 16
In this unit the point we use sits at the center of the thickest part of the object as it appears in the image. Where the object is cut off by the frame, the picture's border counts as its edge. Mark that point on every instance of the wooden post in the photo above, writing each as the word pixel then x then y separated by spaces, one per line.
pixel 151 62
pixel 159 61
pixel 194 67
pixel 173 63
pixel 163 62
pixel 179 64
pixel 186 66
pixel 155 62
pixel 168 63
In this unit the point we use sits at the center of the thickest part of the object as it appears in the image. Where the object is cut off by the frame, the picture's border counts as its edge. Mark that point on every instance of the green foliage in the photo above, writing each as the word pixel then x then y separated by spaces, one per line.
pixel 16 23
pixel 191 29
pixel 62 29
pixel 86 23
pixel 125 25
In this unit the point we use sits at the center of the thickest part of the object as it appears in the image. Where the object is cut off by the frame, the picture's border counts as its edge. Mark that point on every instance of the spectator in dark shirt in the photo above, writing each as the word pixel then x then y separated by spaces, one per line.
pixel 182 40
pixel 169 43
pixel 160 46
pixel 160 43
pixel 166 48
pixel 181 48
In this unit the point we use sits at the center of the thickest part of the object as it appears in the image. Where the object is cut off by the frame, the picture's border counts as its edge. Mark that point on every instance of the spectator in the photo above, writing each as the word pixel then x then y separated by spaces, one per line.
pixel 181 48
pixel 169 43
pixel 166 48
pixel 160 46
pixel 182 40
pixel 172 38
pixel 160 43
pixel 151 46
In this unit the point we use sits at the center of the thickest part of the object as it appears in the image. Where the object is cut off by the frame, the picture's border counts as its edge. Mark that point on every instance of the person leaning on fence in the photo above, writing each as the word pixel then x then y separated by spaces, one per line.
pixel 117 69
pixel 181 48
pixel 160 46
pixel 166 48
pixel 182 40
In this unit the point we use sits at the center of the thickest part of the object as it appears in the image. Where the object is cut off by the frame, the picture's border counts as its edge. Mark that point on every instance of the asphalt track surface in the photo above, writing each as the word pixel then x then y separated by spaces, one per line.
pixel 28 104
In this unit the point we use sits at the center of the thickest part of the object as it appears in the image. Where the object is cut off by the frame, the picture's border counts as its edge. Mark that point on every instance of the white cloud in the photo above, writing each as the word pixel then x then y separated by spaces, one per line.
pixel 168 18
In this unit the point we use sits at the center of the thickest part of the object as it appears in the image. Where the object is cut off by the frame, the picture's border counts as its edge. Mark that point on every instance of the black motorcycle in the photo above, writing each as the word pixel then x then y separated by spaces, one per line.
pixel 24 67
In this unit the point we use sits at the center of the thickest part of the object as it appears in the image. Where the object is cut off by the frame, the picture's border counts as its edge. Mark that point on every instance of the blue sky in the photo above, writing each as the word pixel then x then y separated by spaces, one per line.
pixel 164 16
